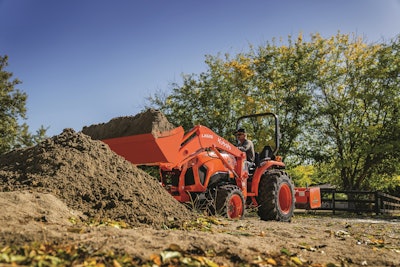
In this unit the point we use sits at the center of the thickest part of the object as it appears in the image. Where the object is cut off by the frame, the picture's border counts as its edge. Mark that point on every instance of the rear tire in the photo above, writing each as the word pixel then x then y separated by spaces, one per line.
pixel 229 201
pixel 276 197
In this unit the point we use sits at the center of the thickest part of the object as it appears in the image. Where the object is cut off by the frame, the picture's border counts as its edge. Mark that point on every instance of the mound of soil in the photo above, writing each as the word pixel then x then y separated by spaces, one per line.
pixel 149 121
pixel 89 177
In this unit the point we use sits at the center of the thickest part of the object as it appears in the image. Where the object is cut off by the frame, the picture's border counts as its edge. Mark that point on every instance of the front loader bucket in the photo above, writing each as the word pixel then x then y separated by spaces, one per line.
pixel 148 149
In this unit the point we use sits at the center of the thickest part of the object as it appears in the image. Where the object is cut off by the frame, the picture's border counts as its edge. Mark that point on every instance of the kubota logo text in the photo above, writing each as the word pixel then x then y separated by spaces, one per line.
pixel 224 144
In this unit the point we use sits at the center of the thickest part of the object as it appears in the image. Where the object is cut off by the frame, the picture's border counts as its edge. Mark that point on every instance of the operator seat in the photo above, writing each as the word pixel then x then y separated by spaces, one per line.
pixel 266 154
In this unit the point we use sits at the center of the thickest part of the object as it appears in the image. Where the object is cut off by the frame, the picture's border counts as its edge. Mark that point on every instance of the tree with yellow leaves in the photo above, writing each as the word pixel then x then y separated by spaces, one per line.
pixel 337 98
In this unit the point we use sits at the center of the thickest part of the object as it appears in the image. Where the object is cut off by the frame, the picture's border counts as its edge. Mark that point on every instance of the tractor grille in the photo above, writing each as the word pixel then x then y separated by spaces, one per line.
pixel 170 177
pixel 189 177
pixel 202 174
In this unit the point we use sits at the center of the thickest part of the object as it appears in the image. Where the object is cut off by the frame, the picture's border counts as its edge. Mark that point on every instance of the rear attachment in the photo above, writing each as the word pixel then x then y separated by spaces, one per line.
pixel 308 198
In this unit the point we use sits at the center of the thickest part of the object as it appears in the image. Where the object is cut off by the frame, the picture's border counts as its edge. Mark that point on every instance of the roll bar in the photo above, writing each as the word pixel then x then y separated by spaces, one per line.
pixel 276 120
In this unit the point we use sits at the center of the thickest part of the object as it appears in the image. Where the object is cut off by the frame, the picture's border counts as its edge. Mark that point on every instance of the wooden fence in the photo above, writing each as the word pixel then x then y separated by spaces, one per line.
pixel 359 201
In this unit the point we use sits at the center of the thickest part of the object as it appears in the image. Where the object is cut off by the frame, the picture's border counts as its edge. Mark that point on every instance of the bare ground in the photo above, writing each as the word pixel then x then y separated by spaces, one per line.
pixel 71 191
pixel 315 240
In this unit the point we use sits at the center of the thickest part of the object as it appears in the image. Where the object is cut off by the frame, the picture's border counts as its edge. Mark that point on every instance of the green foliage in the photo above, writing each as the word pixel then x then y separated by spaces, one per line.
pixel 302 175
pixel 204 99
pixel 12 111
pixel 356 109
pixel 337 99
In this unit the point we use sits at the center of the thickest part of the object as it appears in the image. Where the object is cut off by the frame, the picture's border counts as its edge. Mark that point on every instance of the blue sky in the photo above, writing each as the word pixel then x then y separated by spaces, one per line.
pixel 87 61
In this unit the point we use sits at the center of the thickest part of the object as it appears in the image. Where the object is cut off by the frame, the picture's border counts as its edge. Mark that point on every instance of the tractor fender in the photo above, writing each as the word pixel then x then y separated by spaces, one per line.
pixel 264 166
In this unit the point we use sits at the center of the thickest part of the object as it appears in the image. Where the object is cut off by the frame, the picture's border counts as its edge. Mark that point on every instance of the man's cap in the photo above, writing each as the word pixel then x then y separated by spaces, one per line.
pixel 241 130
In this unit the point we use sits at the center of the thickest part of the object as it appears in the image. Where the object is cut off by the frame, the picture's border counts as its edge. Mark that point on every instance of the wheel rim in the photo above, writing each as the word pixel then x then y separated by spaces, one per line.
pixel 285 198
pixel 235 207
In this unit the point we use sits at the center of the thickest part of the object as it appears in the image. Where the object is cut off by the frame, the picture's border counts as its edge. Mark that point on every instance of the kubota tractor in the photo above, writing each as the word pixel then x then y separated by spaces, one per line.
pixel 208 172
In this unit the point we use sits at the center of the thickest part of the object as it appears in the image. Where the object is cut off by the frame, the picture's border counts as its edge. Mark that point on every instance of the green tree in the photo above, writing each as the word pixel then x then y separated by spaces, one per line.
pixel 13 110
pixel 207 99
pixel 284 80
pixel 337 100
pixel 356 110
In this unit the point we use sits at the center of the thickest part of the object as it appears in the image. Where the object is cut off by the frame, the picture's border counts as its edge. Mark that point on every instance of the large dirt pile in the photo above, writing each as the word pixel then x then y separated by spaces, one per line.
pixel 89 177
pixel 149 121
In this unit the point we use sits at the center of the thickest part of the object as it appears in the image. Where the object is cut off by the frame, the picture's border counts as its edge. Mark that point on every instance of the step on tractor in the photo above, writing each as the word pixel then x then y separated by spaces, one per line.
pixel 209 173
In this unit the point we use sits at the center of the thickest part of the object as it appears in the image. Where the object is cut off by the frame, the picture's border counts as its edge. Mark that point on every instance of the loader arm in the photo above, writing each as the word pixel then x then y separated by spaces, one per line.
pixel 201 138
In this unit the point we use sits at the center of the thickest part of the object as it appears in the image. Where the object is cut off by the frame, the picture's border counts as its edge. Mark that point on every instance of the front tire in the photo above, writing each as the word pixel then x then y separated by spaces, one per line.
pixel 229 201
pixel 276 197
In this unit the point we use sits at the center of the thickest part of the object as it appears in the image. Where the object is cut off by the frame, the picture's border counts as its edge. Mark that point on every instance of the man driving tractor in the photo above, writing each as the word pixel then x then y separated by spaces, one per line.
pixel 245 144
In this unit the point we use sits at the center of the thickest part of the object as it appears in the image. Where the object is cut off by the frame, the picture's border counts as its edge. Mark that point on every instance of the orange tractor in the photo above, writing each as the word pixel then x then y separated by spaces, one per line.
pixel 208 172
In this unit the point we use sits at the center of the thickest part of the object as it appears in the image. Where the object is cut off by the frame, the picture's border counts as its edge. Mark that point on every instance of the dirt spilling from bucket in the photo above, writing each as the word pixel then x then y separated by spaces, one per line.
pixel 89 177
